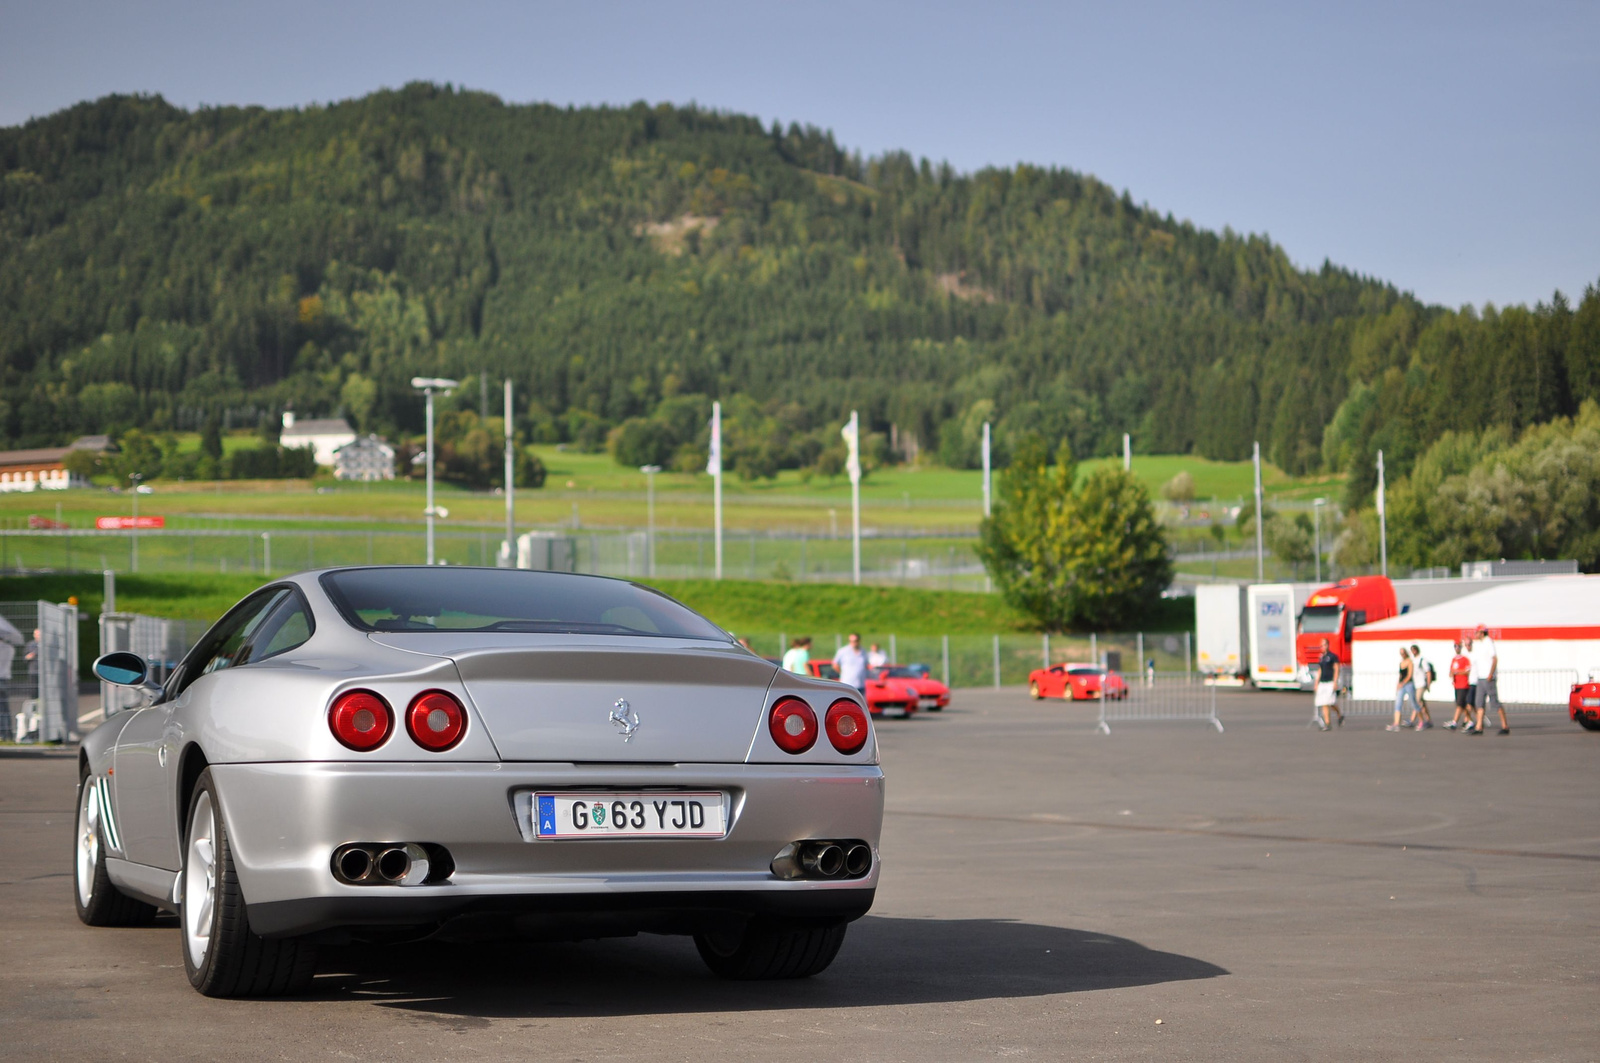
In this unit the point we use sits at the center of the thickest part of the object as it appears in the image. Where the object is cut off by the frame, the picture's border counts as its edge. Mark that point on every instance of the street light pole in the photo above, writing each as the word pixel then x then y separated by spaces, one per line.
pixel 650 517
pixel 428 385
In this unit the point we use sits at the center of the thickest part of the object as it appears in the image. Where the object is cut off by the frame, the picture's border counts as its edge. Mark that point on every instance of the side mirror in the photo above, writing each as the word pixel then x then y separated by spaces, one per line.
pixel 122 669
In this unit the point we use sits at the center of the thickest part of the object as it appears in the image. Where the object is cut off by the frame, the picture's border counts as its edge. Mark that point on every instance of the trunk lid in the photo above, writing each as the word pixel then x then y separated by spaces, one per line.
pixel 553 697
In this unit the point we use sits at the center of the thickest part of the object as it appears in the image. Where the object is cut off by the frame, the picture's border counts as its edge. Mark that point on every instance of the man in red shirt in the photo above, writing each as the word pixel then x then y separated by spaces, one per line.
pixel 1461 678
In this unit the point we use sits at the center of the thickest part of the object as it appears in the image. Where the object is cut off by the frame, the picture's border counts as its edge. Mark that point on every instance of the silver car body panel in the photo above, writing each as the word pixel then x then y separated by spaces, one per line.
pixel 538 716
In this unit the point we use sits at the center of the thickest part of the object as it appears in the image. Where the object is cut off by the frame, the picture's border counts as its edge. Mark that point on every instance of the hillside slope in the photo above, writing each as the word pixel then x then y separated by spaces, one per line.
pixel 158 267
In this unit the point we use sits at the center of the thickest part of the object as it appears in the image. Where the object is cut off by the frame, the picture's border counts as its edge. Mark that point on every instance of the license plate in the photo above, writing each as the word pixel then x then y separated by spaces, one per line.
pixel 1592 702
pixel 563 815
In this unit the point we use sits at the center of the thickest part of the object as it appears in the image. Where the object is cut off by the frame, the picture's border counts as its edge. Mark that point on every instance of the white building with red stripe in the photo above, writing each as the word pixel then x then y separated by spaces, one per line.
pixel 1546 633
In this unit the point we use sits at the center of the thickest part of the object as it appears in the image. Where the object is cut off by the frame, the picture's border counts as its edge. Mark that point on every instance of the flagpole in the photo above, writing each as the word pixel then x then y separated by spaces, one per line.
pixel 715 468
pixel 987 493
pixel 855 497
pixel 1383 523
pixel 1261 556
pixel 511 487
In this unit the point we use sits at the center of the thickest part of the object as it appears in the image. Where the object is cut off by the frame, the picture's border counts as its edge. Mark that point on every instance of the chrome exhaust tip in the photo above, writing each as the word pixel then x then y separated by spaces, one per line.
pixel 857 860
pixel 826 860
pixel 352 864
pixel 393 864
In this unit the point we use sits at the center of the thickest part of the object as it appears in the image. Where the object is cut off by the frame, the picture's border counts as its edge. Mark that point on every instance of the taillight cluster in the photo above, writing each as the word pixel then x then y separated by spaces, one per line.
pixel 794 725
pixel 363 721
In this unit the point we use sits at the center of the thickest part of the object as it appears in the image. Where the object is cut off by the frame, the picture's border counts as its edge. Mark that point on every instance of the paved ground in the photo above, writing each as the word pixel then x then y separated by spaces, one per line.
pixel 1165 892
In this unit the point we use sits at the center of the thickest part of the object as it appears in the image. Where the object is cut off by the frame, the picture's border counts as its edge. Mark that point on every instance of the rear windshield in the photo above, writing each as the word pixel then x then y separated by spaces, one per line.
pixel 1085 671
pixel 487 599
pixel 1320 619
pixel 908 671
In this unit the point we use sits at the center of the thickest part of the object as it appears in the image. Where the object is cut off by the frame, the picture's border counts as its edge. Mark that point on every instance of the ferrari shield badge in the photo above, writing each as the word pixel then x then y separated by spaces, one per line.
pixel 625 718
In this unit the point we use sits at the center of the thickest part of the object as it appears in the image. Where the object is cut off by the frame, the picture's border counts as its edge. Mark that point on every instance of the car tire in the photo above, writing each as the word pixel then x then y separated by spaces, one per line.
pixel 1034 692
pixel 1589 725
pixel 765 950
pixel 96 897
pixel 221 954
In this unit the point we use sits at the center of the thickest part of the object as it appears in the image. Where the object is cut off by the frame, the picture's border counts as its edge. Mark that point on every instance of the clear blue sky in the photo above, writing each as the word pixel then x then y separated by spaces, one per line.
pixel 1451 148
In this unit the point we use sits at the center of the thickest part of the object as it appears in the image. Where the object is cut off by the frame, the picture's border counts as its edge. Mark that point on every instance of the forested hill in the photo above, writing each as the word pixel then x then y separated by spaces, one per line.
pixel 161 267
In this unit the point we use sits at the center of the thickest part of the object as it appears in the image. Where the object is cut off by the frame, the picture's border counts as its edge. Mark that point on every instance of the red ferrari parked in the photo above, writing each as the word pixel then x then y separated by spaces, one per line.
pixel 1585 703
pixel 893 697
pixel 1076 682
pixel 932 695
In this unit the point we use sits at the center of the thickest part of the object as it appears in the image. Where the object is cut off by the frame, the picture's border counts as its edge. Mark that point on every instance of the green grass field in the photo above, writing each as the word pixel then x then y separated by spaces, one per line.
pixel 592 491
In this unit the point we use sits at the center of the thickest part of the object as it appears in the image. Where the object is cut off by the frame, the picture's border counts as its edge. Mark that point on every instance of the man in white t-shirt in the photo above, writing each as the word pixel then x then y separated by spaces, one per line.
pixel 852 664
pixel 1486 680
pixel 876 658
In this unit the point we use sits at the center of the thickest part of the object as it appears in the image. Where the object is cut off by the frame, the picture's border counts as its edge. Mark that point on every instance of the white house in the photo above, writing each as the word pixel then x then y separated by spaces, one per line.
pixel 322 435
pixel 368 458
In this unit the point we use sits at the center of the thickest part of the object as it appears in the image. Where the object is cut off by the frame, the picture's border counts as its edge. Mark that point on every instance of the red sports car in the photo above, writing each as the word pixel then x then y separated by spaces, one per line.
pixel 932 695
pixel 1584 704
pixel 1076 682
pixel 893 697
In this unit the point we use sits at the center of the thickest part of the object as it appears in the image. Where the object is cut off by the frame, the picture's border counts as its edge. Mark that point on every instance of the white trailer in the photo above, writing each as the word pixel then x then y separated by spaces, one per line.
pixel 1221 647
pixel 1272 620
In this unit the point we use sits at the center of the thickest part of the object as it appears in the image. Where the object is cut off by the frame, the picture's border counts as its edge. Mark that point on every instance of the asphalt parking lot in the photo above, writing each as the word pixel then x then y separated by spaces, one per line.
pixel 1163 892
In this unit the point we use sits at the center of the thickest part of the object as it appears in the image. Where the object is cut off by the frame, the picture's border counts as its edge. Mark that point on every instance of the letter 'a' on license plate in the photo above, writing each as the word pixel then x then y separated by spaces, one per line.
pixel 671 814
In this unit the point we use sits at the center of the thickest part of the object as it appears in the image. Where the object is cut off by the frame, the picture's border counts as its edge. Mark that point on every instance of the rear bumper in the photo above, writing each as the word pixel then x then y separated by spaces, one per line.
pixel 285 820
pixel 560 916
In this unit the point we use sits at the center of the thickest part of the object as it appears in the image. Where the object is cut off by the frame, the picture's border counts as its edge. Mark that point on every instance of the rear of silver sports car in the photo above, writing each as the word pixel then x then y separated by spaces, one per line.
pixel 563 787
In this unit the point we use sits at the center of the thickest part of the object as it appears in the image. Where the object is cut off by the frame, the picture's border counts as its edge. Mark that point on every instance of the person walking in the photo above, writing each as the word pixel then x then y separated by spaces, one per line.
pixel 1461 681
pixel 797 658
pixel 1486 681
pixel 852 664
pixel 10 639
pixel 876 658
pixel 1405 688
pixel 1327 694
pixel 1425 675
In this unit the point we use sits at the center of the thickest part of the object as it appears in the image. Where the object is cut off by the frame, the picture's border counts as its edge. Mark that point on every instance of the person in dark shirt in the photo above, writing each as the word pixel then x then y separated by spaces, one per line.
pixel 1327 697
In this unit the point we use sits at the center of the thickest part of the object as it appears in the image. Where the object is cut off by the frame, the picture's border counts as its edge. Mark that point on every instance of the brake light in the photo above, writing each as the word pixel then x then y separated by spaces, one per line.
pixel 793 725
pixel 360 720
pixel 435 720
pixel 847 725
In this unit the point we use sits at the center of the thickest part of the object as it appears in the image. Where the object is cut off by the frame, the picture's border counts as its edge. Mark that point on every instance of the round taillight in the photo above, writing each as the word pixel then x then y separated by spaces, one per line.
pixel 435 720
pixel 360 720
pixel 793 725
pixel 847 726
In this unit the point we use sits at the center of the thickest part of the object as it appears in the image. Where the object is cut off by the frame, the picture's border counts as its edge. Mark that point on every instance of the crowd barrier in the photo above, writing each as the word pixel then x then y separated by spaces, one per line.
pixel 1149 697
pixel 1522 690
pixel 39 691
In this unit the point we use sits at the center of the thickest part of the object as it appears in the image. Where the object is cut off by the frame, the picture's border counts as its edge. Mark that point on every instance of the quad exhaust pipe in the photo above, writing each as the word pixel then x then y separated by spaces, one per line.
pixel 823 860
pixel 392 864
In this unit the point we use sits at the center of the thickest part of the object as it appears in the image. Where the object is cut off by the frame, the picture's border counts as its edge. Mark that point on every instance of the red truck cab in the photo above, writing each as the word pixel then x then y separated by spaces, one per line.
pixel 1335 611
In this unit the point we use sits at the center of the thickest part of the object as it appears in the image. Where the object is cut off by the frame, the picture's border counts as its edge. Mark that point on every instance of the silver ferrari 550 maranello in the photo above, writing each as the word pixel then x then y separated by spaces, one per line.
pixel 390 752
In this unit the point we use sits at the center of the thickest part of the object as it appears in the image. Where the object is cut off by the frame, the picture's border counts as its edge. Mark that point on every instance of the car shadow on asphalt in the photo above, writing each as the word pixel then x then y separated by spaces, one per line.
pixel 884 961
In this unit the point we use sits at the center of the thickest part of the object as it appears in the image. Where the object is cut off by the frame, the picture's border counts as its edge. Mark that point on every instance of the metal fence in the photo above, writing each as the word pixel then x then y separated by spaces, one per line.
pixel 1521 690
pixel 39 680
pixel 940 560
pixel 161 642
pixel 1154 696
pixel 998 660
